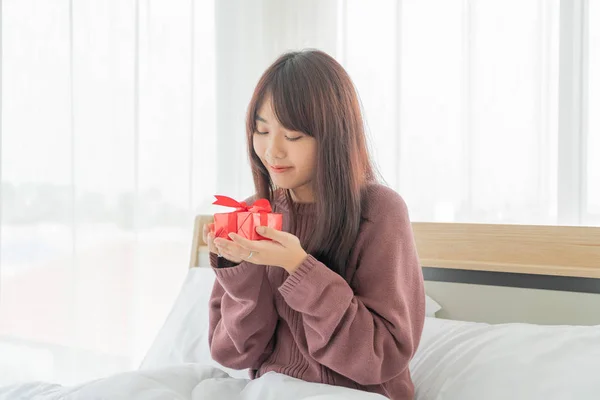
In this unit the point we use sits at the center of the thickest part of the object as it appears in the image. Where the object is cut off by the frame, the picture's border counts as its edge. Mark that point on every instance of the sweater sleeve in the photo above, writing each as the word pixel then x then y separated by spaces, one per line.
pixel 242 316
pixel 368 334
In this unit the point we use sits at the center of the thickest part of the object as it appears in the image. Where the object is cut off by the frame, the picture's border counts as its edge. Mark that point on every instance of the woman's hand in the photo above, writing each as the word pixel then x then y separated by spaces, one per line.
pixel 209 239
pixel 283 251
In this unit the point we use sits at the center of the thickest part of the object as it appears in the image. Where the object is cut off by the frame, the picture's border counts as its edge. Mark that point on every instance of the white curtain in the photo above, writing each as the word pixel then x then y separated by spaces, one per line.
pixel 592 116
pixel 108 152
pixel 121 118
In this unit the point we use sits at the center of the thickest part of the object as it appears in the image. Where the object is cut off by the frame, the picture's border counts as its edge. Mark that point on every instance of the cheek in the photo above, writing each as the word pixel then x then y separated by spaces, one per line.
pixel 308 159
pixel 258 147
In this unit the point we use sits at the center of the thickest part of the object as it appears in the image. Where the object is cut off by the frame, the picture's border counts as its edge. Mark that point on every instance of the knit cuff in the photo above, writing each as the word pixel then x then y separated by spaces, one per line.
pixel 231 272
pixel 294 279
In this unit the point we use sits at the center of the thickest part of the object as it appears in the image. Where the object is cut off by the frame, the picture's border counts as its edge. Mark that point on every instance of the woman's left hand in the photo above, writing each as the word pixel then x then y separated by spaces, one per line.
pixel 283 251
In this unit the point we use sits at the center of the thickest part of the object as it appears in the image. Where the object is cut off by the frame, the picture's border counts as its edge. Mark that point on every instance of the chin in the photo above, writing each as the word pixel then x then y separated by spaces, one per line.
pixel 283 185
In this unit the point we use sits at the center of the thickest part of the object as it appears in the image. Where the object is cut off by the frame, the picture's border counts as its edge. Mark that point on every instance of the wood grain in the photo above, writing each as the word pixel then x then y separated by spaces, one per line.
pixel 544 250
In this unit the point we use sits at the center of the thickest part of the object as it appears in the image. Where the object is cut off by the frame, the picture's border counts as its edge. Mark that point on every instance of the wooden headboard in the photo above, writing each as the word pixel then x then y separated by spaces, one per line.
pixel 525 249
pixel 500 273
pixel 542 250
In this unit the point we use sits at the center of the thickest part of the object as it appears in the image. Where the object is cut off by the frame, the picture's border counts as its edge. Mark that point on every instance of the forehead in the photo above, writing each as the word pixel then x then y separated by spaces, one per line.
pixel 265 112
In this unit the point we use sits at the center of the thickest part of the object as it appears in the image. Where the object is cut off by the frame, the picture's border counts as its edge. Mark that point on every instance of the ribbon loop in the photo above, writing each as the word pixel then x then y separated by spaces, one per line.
pixel 259 206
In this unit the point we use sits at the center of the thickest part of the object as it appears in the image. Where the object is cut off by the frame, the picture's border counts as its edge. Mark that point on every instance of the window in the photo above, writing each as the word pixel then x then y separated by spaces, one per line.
pixel 463 105
pixel 107 123
pixel 593 115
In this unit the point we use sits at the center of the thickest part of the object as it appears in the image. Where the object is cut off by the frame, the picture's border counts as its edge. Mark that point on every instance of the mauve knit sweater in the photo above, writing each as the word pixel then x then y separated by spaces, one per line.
pixel 359 332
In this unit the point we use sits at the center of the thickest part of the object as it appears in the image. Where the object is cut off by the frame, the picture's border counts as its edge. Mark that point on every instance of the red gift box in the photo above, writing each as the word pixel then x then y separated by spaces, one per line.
pixel 245 219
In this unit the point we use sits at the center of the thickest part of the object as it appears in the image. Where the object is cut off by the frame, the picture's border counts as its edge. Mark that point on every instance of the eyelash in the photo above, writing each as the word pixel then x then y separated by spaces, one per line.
pixel 287 138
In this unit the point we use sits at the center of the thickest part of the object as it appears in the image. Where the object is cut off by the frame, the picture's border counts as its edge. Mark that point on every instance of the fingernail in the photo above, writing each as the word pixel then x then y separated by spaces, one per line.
pixel 260 229
pixel 231 235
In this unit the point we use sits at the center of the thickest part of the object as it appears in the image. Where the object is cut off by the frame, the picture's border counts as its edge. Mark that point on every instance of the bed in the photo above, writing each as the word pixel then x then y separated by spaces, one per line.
pixel 513 313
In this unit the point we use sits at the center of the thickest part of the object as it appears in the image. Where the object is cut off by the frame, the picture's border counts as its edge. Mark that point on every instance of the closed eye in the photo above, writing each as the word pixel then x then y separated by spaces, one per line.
pixel 291 139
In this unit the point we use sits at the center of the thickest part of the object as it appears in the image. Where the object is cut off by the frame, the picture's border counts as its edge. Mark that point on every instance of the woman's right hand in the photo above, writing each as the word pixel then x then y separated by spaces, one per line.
pixel 209 238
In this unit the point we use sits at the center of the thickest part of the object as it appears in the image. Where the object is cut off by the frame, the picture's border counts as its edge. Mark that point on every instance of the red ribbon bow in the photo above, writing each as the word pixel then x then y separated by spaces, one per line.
pixel 259 206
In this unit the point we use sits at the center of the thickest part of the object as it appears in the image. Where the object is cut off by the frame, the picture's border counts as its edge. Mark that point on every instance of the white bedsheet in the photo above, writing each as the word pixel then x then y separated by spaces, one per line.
pixel 189 382
pixel 456 361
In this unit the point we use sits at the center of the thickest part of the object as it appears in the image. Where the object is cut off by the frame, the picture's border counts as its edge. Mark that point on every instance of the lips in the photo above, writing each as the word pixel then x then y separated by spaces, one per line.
pixel 279 168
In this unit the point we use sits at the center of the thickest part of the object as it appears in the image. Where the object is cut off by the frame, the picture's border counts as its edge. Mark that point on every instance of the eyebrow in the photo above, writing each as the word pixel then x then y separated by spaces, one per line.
pixel 261 119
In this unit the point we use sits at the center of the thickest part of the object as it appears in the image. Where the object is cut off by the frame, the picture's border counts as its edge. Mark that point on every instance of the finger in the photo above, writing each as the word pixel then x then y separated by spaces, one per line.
pixel 232 257
pixel 207 235
pixel 274 234
pixel 233 253
pixel 243 254
pixel 210 241
pixel 222 243
pixel 229 246
pixel 252 245
pixel 210 236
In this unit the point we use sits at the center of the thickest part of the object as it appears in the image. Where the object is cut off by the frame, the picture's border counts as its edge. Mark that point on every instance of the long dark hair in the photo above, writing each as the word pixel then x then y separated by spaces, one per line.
pixel 312 93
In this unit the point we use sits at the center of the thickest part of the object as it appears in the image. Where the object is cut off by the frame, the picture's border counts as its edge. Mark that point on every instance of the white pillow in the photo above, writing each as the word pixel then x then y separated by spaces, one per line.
pixel 473 361
pixel 183 337
pixel 431 307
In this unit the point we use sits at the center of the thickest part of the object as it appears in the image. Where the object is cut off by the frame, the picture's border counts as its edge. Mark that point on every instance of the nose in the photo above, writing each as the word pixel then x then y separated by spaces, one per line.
pixel 275 147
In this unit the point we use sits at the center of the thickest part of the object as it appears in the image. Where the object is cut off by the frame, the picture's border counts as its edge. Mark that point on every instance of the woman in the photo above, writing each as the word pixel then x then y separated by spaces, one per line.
pixel 336 297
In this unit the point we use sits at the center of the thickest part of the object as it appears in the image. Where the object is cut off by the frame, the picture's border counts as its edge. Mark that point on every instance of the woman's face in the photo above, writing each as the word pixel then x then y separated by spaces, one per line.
pixel 289 156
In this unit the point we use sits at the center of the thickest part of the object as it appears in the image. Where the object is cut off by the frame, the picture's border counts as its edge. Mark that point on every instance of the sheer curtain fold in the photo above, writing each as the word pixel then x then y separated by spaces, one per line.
pixel 108 132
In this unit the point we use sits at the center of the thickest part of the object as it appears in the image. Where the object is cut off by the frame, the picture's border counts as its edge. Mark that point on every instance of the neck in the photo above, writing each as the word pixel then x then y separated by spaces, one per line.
pixel 302 194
